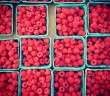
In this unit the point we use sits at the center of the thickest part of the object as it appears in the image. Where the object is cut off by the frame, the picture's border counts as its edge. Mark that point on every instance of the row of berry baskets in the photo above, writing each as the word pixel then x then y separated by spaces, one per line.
pixel 58 53
pixel 63 82
pixel 50 1
pixel 70 20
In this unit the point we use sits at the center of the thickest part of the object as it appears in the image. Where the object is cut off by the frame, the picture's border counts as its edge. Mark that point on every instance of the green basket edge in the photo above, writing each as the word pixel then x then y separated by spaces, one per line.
pixel 47 19
pixel 36 2
pixel 11 6
pixel 17 39
pixel 83 79
pixel 72 6
pixel 33 67
pixel 5 71
pixel 89 65
pixel 94 3
pixel 68 2
pixel 84 55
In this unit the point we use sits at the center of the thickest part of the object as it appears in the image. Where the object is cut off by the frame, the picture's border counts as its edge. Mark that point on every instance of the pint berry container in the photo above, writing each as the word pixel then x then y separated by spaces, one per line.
pixel 9 54
pixel 10 1
pixel 6 20
pixel 34 23
pixel 36 1
pixel 96 77
pixel 11 83
pixel 70 23
pixel 99 0
pixel 99 50
pixel 40 81
pixel 67 2
pixel 37 64
pixel 66 65
pixel 98 18
pixel 65 80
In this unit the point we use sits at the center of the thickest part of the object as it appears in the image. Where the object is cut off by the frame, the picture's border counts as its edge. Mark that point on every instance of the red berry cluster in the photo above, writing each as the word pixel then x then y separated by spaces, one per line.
pixel 70 21
pixel 9 57
pixel 9 84
pixel 5 19
pixel 31 20
pixel 68 0
pixel 35 52
pixel 68 83
pixel 99 18
pixel 98 51
pixel 36 82
pixel 98 83
pixel 68 52
pixel 37 0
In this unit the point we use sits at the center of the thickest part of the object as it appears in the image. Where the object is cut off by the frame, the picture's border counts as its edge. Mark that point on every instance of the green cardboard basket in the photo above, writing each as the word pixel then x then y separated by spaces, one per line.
pixel 86 75
pixel 94 4
pixel 83 1
pixel 82 6
pixel 18 78
pixel 35 5
pixel 84 55
pixel 24 1
pixel 9 1
pixel 33 67
pixel 20 87
pixel 99 0
pixel 11 6
pixel 102 66
pixel 17 40
pixel 83 79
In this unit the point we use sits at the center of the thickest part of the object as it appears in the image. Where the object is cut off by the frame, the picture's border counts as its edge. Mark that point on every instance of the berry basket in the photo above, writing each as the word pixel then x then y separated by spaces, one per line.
pixel 45 25
pixel 34 67
pixel 10 1
pixel 27 1
pixel 81 6
pixel 83 56
pixel 99 0
pixel 94 4
pixel 14 66
pixel 67 70
pixel 96 77
pixel 7 71
pixel 56 2
pixel 9 34
pixel 102 65
pixel 41 84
